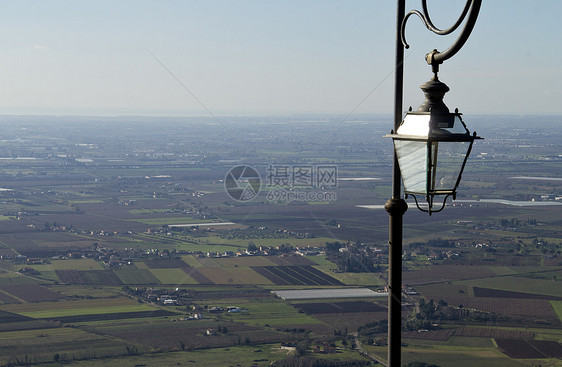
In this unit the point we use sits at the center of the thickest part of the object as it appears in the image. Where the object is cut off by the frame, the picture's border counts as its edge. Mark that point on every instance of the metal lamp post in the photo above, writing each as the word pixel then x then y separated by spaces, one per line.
pixel 431 146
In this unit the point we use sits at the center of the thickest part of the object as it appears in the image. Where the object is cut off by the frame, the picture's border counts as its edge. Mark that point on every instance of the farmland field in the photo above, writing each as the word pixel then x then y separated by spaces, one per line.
pixel 88 317
pixel 261 355
pixel 192 334
pixel 91 265
pixel 296 275
pixel 507 306
pixel 557 306
pixel 172 276
pixel 106 277
pixel 530 349
pixel 498 293
pixel 136 276
pixel 76 307
pixel 519 284
pixel 165 264
pixel 43 344
pixel 31 292
pixel 339 307
pixel 446 273
pixel 83 264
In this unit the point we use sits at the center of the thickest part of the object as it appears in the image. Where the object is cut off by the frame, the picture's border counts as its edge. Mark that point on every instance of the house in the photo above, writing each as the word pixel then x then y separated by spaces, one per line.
pixel 328 348
pixel 289 346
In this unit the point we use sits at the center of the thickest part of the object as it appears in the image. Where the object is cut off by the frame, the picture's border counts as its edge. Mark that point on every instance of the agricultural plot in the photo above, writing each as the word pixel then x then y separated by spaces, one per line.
pixel 246 261
pixel 265 311
pixel 440 335
pixel 530 349
pixel 493 333
pixel 27 325
pixel 441 273
pixel 51 314
pixel 16 278
pixel 291 260
pixel 219 276
pixel 172 276
pixel 295 294
pixel 112 316
pixel 80 292
pixel 261 355
pixel 247 275
pixel 6 298
pixel 136 276
pixel 445 334
pixel 12 317
pixel 32 292
pixel 42 344
pixel 165 263
pixel 168 335
pixel 339 307
pixel 101 277
pixel 82 264
pixel 197 276
pixel 498 293
pixel 209 262
pixel 519 284
pixel 508 306
pixel 70 277
pixel 192 261
pixel 351 321
pixel 34 241
pixel 76 307
pixel 296 275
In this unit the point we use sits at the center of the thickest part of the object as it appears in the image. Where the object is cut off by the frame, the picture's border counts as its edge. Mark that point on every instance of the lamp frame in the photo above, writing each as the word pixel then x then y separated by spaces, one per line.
pixel 435 137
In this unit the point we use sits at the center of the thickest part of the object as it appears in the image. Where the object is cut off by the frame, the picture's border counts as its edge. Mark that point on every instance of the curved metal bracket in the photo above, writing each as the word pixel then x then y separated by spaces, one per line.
pixel 430 209
pixel 435 58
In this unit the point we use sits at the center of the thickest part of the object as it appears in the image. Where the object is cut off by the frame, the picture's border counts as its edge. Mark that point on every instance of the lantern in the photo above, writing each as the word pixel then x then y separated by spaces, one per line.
pixel 432 146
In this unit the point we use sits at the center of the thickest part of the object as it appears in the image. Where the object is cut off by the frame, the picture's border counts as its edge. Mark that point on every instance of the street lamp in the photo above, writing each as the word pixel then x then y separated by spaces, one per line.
pixel 431 146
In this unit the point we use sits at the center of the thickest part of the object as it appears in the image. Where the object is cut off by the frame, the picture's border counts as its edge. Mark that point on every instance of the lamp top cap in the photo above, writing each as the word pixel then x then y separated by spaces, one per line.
pixel 434 91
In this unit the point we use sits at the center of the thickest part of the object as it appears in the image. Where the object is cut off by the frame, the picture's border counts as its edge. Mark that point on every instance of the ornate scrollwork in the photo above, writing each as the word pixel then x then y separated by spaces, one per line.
pixel 435 57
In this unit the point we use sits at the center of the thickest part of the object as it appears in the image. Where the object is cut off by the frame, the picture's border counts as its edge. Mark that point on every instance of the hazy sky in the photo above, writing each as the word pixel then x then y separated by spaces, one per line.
pixel 269 57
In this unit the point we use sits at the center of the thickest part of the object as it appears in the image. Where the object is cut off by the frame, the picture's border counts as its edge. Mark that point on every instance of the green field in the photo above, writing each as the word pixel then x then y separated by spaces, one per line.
pixel 518 284
pixel 43 345
pixel 269 312
pixel 219 357
pixel 557 306
pixel 172 276
pixel 170 220
pixel 453 356
pixel 82 264
pixel 136 276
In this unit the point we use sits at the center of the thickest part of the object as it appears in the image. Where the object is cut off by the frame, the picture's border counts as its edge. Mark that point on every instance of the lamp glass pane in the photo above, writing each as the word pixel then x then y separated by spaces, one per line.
pixel 413 124
pixel 456 128
pixel 448 158
pixel 412 159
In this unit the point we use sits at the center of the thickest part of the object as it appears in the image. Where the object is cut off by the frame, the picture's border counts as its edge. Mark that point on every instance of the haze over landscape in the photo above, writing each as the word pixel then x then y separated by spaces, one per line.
pixel 203 183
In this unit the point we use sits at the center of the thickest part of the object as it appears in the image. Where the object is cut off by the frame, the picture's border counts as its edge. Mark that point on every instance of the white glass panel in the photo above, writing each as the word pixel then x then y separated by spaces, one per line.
pixel 417 125
pixel 450 158
pixel 412 158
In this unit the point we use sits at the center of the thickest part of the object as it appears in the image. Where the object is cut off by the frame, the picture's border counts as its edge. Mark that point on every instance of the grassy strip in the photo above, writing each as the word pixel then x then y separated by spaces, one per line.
pixel 47 314
pixel 557 306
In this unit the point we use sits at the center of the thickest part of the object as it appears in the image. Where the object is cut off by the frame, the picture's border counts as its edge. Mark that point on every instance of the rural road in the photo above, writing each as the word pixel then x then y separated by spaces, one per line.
pixel 360 349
